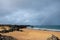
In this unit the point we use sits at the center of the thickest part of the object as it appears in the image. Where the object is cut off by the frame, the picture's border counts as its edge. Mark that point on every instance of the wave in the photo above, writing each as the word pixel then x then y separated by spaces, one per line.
pixel 58 30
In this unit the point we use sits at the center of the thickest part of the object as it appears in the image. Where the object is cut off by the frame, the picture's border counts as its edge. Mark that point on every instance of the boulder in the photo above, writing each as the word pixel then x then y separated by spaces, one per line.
pixel 4 37
pixel 53 37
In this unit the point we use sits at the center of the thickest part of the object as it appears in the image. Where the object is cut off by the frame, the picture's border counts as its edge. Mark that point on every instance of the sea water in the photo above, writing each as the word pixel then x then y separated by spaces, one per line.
pixel 47 27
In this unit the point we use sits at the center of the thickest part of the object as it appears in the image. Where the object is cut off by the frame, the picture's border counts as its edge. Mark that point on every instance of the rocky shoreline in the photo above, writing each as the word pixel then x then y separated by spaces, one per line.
pixel 4 37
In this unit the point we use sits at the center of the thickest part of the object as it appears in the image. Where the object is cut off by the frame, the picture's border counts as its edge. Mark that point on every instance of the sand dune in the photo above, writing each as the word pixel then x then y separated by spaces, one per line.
pixel 30 34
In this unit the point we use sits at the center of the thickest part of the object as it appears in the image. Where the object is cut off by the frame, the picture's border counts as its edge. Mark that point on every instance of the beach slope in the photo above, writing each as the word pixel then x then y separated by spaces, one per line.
pixel 31 34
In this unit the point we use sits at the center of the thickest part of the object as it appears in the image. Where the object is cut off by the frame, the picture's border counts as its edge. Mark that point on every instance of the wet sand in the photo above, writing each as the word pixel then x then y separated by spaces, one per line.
pixel 31 34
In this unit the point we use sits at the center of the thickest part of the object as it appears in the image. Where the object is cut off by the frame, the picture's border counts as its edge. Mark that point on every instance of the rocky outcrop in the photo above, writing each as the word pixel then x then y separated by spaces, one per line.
pixel 4 37
pixel 53 37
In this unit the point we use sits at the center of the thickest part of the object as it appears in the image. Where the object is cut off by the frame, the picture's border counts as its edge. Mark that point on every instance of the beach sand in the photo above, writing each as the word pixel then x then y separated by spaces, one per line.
pixel 31 34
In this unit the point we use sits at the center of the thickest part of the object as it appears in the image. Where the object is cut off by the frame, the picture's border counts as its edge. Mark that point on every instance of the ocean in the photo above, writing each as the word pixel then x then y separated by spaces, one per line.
pixel 47 27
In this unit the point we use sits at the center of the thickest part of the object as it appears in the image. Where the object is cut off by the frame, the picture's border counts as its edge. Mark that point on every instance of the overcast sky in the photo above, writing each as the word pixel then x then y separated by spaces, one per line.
pixel 30 12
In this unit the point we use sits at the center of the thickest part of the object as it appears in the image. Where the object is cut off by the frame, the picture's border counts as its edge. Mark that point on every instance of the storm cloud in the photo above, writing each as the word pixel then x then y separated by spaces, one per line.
pixel 30 12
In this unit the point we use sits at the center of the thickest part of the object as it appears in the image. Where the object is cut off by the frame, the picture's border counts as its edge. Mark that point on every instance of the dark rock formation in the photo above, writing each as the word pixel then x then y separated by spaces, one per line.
pixel 4 37
pixel 10 30
pixel 53 37
pixel 4 31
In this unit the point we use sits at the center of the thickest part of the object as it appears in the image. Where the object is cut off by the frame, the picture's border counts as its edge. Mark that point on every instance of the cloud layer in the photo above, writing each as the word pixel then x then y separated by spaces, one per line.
pixel 32 12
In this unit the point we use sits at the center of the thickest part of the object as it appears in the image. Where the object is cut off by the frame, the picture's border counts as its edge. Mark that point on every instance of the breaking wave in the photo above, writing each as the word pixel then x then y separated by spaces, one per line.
pixel 47 29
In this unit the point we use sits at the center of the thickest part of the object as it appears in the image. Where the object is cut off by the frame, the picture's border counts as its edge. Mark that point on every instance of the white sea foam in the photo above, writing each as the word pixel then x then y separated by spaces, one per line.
pixel 45 29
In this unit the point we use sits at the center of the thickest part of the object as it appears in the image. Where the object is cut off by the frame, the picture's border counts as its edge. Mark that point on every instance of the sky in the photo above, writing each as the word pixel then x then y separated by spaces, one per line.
pixel 30 12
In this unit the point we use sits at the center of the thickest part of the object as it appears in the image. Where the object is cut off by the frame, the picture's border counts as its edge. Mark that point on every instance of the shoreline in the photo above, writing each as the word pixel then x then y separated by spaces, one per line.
pixel 45 29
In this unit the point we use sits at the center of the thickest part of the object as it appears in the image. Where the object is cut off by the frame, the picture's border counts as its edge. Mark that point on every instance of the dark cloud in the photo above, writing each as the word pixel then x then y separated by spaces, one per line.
pixel 33 12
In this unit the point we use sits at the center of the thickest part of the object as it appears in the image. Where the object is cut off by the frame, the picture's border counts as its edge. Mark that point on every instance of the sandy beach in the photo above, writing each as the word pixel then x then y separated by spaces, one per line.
pixel 31 34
